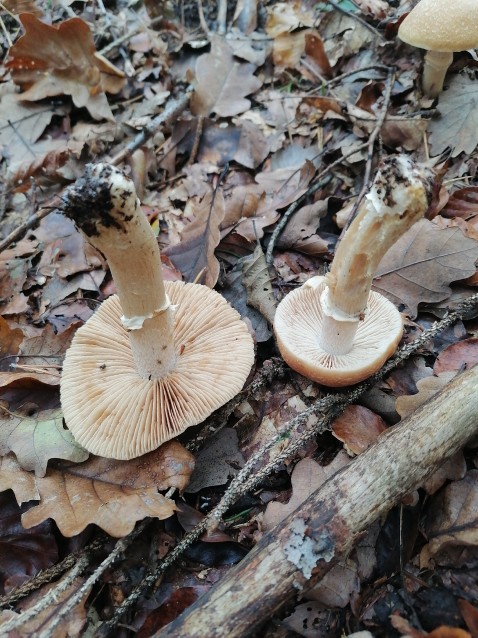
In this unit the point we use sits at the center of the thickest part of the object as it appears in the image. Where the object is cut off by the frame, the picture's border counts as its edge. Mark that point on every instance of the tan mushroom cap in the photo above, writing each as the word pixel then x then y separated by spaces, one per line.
pixel 442 25
pixel 115 413
pixel 298 321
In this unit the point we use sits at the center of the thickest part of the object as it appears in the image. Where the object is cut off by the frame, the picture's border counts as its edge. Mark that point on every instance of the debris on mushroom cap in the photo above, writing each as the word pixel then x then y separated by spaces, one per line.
pixel 298 321
pixel 113 412
pixel 442 25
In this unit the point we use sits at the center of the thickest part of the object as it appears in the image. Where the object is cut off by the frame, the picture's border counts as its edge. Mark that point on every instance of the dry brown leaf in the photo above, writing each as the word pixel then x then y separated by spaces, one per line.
pixel 376 8
pixel 246 212
pixel 10 340
pixel 222 82
pixel 62 59
pixel 421 265
pixel 337 586
pixel 427 388
pixel 244 143
pixel 457 128
pixel 307 477
pixel 458 356
pixel 284 17
pixel 301 231
pixel 194 255
pixel 451 521
pixel 358 427
pixel 258 284
pixel 462 203
pixel 111 494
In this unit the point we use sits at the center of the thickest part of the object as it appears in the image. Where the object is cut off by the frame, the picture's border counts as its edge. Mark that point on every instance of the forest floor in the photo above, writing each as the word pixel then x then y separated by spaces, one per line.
pixel 252 133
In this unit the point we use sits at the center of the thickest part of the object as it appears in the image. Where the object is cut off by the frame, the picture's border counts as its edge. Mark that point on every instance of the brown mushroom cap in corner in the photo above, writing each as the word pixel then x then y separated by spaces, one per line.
pixel 442 25
pixel 299 319
pixel 115 413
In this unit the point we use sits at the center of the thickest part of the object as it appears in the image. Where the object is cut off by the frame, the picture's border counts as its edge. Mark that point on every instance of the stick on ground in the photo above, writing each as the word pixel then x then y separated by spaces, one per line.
pixel 304 547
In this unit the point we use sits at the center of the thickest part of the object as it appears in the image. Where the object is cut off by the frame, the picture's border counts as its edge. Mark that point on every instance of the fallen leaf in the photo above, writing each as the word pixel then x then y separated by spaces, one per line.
pixel 310 620
pixel 112 494
pixel 457 128
pixel 194 255
pixel 257 282
pixel 284 17
pixel 218 461
pixel 337 587
pixel 35 437
pixel 458 356
pixel 307 477
pixel 470 616
pixel 376 8
pixel 427 388
pixel 357 427
pixel 10 340
pixel 421 265
pixel 61 59
pixel 23 552
pixel 462 203
pixel 178 601
pixel 222 82
pixel 301 231
pixel 243 143
pixel 246 212
pixel 235 293
pixel 14 265
pixel 451 519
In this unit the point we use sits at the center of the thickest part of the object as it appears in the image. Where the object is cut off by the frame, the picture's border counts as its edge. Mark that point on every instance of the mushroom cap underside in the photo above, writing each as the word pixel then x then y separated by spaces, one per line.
pixel 441 25
pixel 115 413
pixel 298 321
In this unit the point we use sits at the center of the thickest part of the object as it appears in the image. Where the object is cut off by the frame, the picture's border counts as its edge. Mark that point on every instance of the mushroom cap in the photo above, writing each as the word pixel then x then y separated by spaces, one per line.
pixel 298 321
pixel 442 25
pixel 115 413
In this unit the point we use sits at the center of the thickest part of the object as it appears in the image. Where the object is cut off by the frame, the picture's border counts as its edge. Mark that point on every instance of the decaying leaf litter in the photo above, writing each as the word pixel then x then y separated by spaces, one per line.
pixel 250 132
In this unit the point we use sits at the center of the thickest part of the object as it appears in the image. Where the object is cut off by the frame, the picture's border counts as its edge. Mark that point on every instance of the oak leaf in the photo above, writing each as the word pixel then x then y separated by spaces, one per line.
pixel 36 439
pixel 451 521
pixel 222 82
pixel 111 494
pixel 421 265
pixel 62 59
pixel 194 255
pixel 307 477
pixel 358 427
pixel 457 128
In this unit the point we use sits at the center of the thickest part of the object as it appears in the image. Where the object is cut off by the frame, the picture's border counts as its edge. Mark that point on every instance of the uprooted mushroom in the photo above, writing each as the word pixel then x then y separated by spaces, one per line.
pixel 159 356
pixel 334 329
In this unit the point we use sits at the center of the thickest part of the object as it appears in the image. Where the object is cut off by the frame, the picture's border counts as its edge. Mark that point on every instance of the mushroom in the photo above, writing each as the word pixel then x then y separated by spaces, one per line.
pixel 159 356
pixel 441 27
pixel 333 329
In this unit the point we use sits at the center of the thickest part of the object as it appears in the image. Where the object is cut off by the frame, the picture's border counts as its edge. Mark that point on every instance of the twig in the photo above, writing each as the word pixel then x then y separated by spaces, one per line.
pixel 127 36
pixel 119 548
pixel 52 596
pixel 363 22
pixel 343 76
pixel 47 575
pixel 48 599
pixel 332 405
pixel 169 115
pixel 371 145
pixel 284 220
pixel 221 17
pixel 202 19
pixel 197 140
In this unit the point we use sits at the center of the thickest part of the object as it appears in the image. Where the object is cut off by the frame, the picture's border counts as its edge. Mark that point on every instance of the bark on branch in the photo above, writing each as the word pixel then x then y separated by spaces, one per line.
pixel 304 547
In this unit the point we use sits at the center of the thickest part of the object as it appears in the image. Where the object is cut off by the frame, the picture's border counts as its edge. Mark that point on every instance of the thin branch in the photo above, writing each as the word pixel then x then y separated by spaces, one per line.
pixel 363 22
pixel 222 17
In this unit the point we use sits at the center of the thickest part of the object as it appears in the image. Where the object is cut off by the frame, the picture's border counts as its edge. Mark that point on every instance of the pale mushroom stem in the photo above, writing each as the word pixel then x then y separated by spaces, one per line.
pixel 398 198
pixel 104 206
pixel 434 71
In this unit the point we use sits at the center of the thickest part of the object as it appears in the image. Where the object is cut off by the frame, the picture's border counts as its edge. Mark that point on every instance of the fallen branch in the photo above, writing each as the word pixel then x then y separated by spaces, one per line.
pixel 303 548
